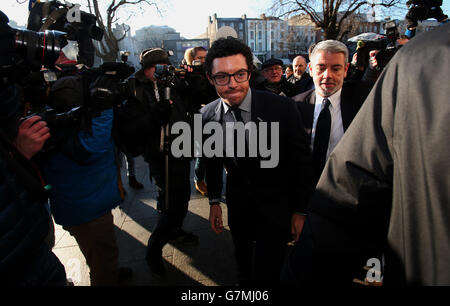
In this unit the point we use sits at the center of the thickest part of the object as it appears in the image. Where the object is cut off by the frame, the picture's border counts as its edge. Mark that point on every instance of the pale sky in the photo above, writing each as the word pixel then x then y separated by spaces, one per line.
pixel 189 17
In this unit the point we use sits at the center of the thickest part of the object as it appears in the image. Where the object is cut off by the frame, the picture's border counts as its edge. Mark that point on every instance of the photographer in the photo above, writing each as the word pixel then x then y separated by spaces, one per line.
pixel 25 257
pixel 420 10
pixel 200 93
pixel 148 88
pixel 81 170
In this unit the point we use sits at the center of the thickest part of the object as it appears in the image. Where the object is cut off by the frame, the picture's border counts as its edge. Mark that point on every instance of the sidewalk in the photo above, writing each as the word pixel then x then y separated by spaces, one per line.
pixel 210 263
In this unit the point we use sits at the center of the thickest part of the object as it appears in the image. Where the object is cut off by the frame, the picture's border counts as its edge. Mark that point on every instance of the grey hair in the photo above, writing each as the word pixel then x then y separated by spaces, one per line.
pixel 332 46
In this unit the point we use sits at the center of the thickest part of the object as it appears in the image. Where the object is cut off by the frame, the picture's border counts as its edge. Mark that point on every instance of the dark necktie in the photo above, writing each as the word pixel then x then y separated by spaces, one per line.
pixel 237 113
pixel 321 139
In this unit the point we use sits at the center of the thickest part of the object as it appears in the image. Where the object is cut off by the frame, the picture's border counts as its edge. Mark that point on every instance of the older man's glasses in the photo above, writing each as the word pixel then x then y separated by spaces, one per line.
pixel 224 78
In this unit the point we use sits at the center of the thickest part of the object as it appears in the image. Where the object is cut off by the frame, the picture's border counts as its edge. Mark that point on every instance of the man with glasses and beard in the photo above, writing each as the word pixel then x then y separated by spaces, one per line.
pixel 265 205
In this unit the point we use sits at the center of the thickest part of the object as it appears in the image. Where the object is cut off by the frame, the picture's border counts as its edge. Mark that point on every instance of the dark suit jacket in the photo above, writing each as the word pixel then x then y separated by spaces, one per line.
pixel 303 84
pixel 352 97
pixel 274 194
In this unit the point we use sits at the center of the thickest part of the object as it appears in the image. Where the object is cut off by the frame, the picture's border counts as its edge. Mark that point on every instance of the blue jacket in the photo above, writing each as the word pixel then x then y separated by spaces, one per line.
pixel 82 192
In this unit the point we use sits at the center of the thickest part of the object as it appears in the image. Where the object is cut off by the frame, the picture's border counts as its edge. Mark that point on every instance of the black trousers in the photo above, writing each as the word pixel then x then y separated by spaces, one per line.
pixel 260 248
pixel 171 219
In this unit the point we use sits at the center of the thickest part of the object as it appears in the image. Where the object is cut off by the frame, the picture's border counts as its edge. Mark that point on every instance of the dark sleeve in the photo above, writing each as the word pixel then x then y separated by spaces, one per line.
pixel 371 75
pixel 213 172
pixel 349 211
pixel 310 84
pixel 214 178
pixel 298 163
pixel 289 89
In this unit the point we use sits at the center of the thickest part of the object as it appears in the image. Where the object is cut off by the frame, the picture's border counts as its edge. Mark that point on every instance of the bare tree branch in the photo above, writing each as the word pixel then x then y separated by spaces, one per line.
pixel 328 15
pixel 109 47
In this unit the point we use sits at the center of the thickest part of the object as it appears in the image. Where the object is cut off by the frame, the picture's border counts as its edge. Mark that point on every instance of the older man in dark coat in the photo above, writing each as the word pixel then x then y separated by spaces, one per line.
pixel 385 188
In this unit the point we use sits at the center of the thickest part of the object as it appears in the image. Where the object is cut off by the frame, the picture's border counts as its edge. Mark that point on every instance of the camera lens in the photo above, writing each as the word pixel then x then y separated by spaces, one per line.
pixel 40 48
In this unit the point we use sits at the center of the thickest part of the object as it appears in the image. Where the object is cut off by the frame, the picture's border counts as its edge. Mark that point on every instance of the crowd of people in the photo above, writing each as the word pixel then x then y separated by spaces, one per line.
pixel 362 170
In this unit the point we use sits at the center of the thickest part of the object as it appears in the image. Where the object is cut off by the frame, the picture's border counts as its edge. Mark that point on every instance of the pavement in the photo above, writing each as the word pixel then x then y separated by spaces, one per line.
pixel 210 263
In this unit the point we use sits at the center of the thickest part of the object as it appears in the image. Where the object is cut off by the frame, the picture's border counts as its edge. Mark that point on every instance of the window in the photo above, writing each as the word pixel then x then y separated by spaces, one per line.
pixel 252 35
pixel 260 46
pixel 272 35
pixel 259 35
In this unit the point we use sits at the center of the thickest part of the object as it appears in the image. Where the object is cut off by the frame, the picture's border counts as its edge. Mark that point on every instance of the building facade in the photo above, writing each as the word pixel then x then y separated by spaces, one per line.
pixel 179 46
pixel 215 24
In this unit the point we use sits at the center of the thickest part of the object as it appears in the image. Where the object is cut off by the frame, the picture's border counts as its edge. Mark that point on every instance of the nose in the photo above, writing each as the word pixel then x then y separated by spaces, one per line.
pixel 232 83
pixel 326 73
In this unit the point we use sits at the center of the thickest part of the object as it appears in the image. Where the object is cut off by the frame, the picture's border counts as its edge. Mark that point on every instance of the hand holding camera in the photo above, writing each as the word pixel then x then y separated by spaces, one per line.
pixel 31 136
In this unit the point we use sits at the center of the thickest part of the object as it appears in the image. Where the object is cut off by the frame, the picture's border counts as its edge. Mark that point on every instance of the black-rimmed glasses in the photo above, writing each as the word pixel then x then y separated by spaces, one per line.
pixel 224 78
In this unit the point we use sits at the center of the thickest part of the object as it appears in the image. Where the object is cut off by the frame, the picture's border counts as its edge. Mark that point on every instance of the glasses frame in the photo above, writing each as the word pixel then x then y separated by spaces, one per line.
pixel 213 77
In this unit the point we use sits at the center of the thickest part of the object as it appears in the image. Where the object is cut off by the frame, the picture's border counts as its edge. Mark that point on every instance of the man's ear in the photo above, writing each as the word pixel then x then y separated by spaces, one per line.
pixel 210 79
pixel 346 69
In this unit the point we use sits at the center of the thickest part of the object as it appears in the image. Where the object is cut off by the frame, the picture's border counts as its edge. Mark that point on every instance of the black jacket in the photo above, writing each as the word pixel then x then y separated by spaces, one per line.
pixel 303 84
pixel 386 185
pixel 274 193
pixel 281 88
pixel 140 119
pixel 24 219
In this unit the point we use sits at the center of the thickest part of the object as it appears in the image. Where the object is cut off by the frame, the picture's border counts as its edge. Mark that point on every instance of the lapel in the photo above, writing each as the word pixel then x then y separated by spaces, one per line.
pixel 347 111
pixel 311 105
pixel 256 110
pixel 218 111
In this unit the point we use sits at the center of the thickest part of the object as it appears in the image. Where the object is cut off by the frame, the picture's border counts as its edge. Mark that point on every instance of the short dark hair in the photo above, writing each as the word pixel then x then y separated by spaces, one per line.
pixel 196 49
pixel 224 47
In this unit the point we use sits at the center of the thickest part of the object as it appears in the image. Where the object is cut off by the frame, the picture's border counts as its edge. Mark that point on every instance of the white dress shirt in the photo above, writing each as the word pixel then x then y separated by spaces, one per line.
pixel 337 128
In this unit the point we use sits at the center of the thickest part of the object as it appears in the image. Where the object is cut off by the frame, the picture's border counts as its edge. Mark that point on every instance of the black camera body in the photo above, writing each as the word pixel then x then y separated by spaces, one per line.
pixel 386 47
pixel 52 15
pixel 420 10
pixel 76 96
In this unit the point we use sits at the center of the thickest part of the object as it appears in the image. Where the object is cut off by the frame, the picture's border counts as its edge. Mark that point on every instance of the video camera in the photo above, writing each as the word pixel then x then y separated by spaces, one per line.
pixel 53 15
pixel 420 10
pixel 75 97
pixel 168 72
pixel 386 46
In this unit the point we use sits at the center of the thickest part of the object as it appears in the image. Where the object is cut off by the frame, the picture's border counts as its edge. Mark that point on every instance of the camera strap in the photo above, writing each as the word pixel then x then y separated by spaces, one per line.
pixel 52 18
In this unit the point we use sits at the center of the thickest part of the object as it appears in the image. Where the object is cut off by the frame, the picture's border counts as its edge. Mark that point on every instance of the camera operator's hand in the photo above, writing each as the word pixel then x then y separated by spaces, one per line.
pixel 31 136
pixel 187 68
pixel 373 63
